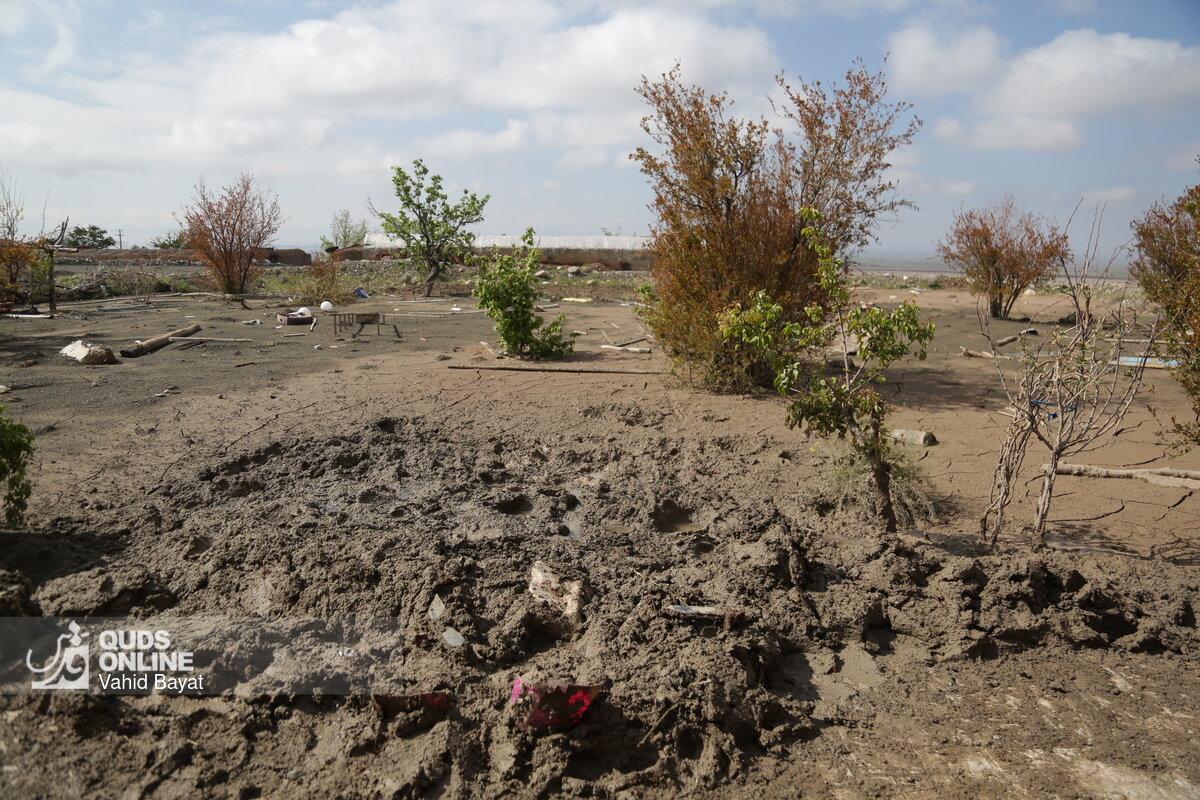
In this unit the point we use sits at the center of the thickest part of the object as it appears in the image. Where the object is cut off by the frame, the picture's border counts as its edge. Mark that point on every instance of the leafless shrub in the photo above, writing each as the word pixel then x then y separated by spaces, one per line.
pixel 1070 389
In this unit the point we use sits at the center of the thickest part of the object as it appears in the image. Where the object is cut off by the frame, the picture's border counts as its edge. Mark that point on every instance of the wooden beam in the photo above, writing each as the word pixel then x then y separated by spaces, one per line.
pixel 141 348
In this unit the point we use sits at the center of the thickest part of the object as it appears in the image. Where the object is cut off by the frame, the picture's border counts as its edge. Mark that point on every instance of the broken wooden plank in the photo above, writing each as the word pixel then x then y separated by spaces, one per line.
pixel 516 368
pixel 199 339
pixel 625 349
pixel 631 341
pixel 141 348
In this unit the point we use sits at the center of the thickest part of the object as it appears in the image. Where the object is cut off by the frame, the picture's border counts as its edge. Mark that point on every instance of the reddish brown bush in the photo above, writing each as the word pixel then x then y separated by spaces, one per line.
pixel 727 199
pixel 1002 251
pixel 224 229
pixel 1167 266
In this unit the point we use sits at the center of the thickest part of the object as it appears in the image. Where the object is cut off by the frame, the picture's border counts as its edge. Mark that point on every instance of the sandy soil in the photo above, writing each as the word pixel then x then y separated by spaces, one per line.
pixel 368 478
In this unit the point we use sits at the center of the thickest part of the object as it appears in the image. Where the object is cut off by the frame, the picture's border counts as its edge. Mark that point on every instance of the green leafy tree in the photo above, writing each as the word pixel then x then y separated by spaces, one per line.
pixel 344 232
pixel 846 404
pixel 506 292
pixel 1166 265
pixel 16 446
pixel 432 229
pixel 92 237
pixel 170 241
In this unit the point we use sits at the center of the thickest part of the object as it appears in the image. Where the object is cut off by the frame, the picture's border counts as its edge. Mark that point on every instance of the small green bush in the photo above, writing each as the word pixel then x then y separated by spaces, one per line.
pixel 505 291
pixel 16 445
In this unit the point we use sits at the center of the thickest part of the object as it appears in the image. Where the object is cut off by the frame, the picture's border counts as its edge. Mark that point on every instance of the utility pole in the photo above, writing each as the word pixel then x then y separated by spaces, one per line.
pixel 120 240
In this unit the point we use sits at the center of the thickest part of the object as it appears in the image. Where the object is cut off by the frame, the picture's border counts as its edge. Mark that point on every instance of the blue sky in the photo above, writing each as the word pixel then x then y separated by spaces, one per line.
pixel 112 109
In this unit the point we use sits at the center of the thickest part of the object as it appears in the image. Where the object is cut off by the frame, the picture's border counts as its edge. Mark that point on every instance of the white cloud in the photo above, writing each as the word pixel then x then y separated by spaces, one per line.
pixel 583 158
pixel 1111 194
pixel 1038 98
pixel 952 188
pixel 922 64
pixel 463 143
pixel 1015 132
pixel 1084 72
pixel 1186 158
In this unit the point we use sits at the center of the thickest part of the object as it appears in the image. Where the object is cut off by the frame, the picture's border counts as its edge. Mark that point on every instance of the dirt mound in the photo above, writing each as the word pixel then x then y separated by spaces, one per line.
pixel 711 616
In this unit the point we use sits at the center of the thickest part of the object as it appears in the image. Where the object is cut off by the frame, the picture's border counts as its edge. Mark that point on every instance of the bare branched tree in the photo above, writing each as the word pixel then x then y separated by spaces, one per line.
pixel 225 228
pixel 12 208
pixel 1071 389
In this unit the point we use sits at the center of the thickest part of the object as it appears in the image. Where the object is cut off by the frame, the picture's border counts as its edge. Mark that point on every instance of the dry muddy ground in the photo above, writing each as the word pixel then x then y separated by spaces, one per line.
pixel 368 479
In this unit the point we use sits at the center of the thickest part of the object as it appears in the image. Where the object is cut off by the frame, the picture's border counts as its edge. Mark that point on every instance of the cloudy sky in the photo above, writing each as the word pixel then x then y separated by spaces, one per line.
pixel 111 109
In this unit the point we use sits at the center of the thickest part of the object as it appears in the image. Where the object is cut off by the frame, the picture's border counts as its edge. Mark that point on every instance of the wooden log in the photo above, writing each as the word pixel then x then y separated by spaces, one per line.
pixel 141 348
pixel 599 370
pixel 1015 337
pixel 979 354
pixel 1181 478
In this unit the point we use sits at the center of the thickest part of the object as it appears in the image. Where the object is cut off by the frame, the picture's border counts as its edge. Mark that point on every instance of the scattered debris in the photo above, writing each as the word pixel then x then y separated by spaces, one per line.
pixel 295 318
pixel 488 347
pixel 244 364
pixel 437 608
pixel 923 438
pixel 453 638
pixel 1145 363
pixel 625 349
pixel 631 341
pixel 694 612
pixel 87 353
pixel 564 597
pixel 578 300
pixel 546 705
pixel 252 322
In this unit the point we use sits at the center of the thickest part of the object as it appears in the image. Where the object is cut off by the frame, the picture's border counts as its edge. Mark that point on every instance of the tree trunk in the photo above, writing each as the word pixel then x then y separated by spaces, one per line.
pixel 433 270
pixel 50 288
pixel 1043 509
pixel 881 473
pixel 996 306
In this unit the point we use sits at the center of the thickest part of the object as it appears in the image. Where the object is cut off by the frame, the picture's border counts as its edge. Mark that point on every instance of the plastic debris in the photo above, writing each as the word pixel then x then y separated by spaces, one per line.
pixel 326 306
pixel 453 638
pixel 437 608
pixel 550 705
